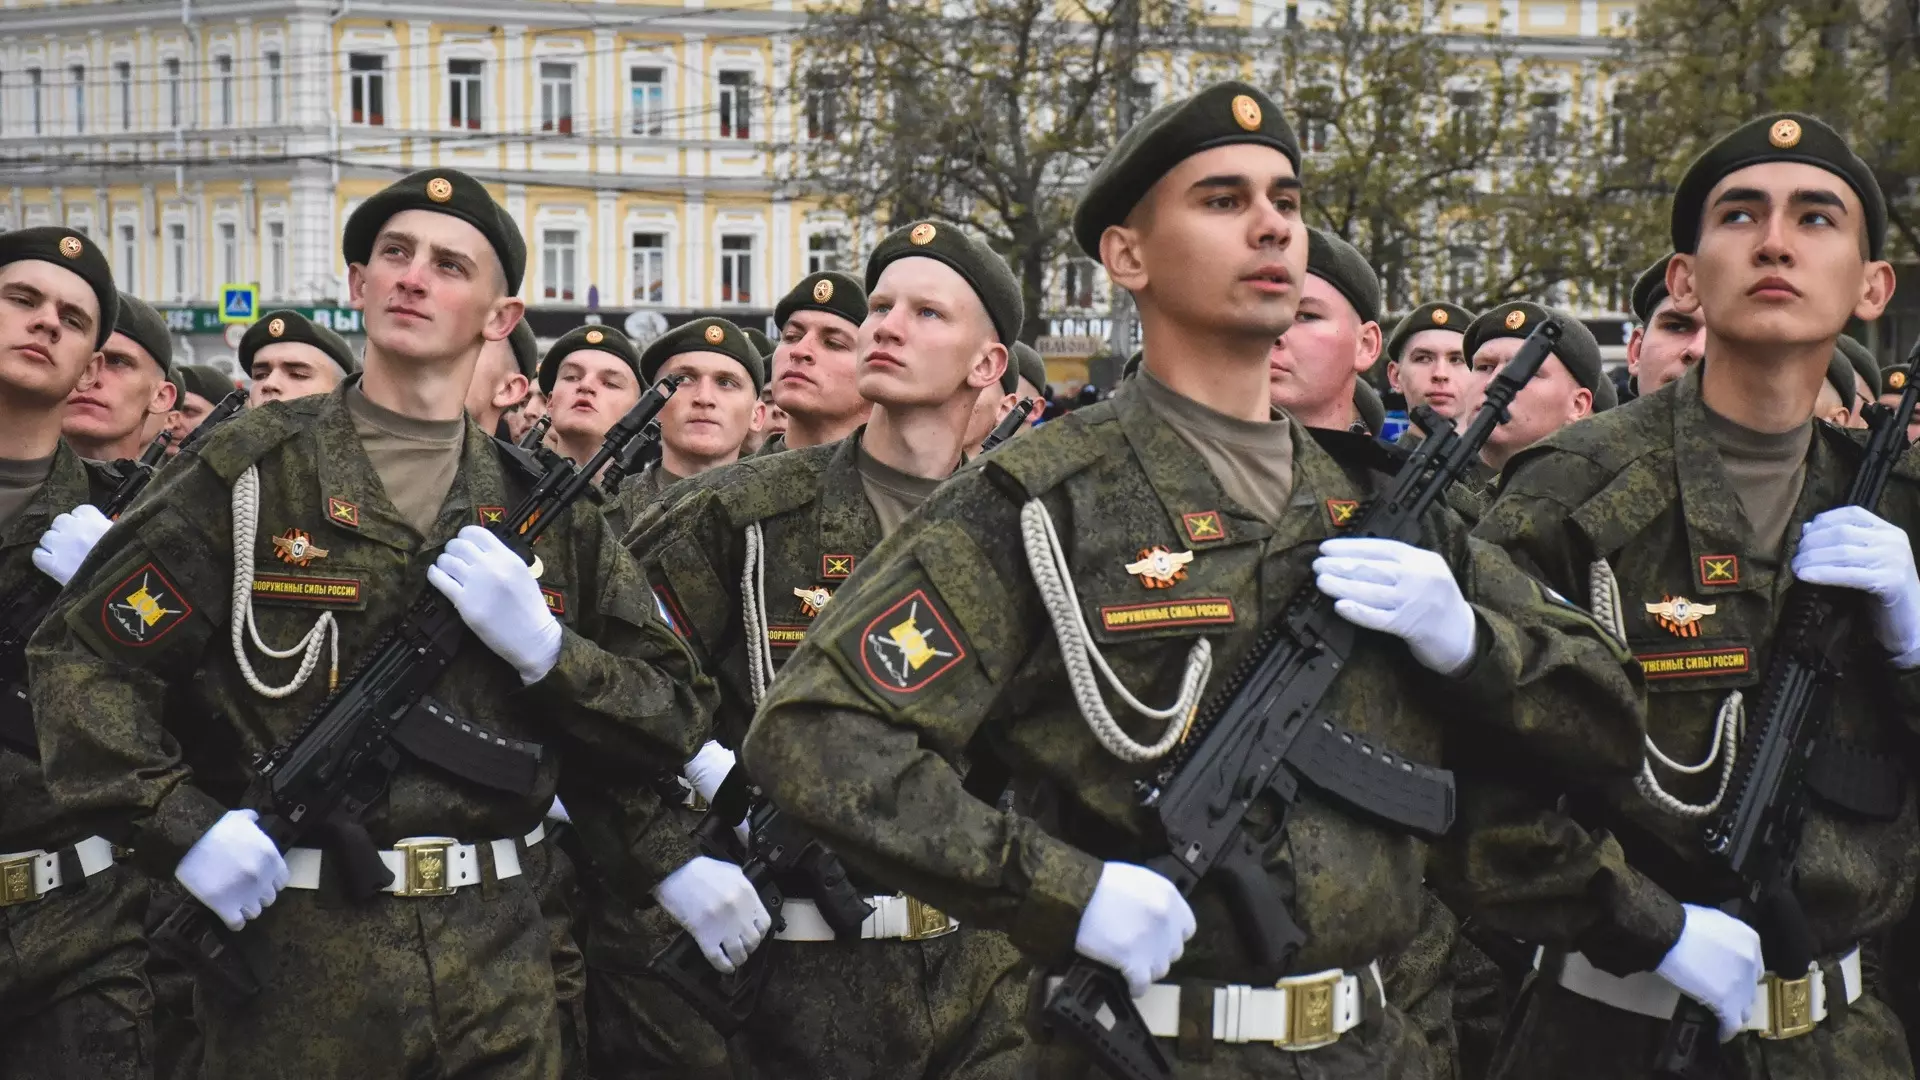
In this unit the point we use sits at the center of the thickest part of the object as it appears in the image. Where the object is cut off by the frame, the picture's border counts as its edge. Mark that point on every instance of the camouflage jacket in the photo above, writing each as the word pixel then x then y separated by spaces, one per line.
pixel 940 648
pixel 144 717
pixel 28 816
pixel 1643 488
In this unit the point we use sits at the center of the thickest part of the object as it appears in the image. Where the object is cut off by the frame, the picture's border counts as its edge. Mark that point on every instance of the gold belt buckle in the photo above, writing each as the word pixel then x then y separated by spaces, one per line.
pixel 1789 1005
pixel 426 869
pixel 925 921
pixel 18 881
pixel 1310 1011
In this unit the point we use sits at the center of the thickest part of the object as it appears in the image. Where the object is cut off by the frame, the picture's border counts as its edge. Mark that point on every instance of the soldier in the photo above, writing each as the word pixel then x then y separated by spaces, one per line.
pixel 346 507
pixel 74 998
pixel 1668 340
pixel 992 406
pixel 1314 369
pixel 813 362
pixel 712 413
pixel 1865 378
pixel 1183 511
pixel 591 378
pixel 917 996
pixel 128 384
pixel 520 420
pixel 289 357
pixel 1426 362
pixel 502 379
pixel 1688 509
pixel 1567 389
pixel 205 387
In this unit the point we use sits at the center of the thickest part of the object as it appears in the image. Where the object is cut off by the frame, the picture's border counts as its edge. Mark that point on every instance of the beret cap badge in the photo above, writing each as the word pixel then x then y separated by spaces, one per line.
pixel 922 234
pixel 1440 316
pixel 1897 380
pixel 715 335
pixel 1246 112
pixel 822 291
pixel 595 337
pixel 1785 134
pixel 439 189
pixel 70 246
pixel 1516 319
pixel 276 328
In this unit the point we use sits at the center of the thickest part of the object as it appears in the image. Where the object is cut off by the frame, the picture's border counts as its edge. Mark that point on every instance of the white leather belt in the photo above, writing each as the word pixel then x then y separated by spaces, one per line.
pixel 894 918
pixel 424 865
pixel 30 875
pixel 1782 1008
pixel 1300 1012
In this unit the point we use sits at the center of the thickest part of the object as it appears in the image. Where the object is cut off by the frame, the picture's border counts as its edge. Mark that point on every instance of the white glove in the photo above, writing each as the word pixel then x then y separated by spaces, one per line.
pixel 1717 963
pixel 558 811
pixel 1402 590
pixel 714 901
pixel 499 599
pixel 1137 923
pixel 233 869
pixel 709 768
pixel 1853 548
pixel 65 544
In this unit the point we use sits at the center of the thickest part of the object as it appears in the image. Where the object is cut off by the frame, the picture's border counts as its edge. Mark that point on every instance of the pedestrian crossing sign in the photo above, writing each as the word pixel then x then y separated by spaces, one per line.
pixel 237 303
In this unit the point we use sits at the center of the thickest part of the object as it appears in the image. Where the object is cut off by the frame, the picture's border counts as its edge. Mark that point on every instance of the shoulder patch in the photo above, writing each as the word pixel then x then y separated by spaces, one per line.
pixel 908 646
pixel 144 608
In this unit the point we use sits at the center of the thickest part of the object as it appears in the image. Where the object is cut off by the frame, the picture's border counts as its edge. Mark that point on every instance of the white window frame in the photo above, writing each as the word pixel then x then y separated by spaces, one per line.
pixel 36 94
pixel 557 90
pixel 733 109
pixel 123 75
pixel 126 241
pixel 647 119
pixel 664 255
pixel 362 79
pixel 223 74
pixel 560 249
pixel 274 263
pixel 272 62
pixel 77 103
pixel 176 92
pixel 233 264
pixel 178 256
pixel 734 269
pixel 836 250
pixel 468 91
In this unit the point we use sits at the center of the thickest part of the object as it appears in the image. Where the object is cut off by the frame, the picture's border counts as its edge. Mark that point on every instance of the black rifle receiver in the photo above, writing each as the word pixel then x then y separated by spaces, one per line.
pixel 1758 837
pixel 1263 734
pixel 319 784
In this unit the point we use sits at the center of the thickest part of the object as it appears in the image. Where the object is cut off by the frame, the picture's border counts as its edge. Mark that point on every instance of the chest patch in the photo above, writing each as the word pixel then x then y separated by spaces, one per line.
pixel 1199 611
pixel 1727 660
pixel 144 608
pixel 298 589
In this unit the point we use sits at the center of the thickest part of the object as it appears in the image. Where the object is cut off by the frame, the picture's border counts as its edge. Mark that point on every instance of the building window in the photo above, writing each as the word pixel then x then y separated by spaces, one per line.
pixel 1316 118
pixel 273 87
pixel 1543 128
pixel 824 252
pixel 123 75
pixel 33 87
pixel 177 258
pixel 1077 283
pixel 823 107
pixel 558 249
pixel 1466 118
pixel 556 98
pixel 229 253
pixel 173 91
pixel 649 268
pixel 276 258
pixel 1617 123
pixel 736 269
pixel 649 99
pixel 223 71
pixel 736 105
pixel 123 266
pixel 463 94
pixel 1136 101
pixel 77 76
pixel 367 76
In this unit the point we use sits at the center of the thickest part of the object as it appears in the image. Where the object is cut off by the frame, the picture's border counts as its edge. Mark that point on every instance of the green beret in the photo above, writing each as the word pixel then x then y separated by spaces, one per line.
pixel 209 382
pixel 68 250
pixel 1341 265
pixel 1650 288
pixel 829 291
pixel 705 335
pixel 1777 137
pixel 526 350
pixel 277 326
pixel 137 320
pixel 1223 114
pixel 596 337
pixel 1864 363
pixel 1840 377
pixel 1432 315
pixel 1576 349
pixel 1366 402
pixel 989 275
pixel 443 191
pixel 1605 394
pixel 1894 379
pixel 1027 364
pixel 762 344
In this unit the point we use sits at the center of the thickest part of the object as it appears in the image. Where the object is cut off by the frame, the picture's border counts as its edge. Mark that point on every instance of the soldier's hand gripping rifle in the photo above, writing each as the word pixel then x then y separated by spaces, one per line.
pixel 1264 734
pixel 1758 837
pixel 1010 426
pixel 317 787
pixel 25 606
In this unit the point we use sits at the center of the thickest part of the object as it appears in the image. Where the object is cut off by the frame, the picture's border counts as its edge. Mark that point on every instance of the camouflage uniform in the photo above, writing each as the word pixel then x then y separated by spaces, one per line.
pixel 853 743
pixel 945 1006
pixel 74 997
pixel 147 723
pixel 1643 487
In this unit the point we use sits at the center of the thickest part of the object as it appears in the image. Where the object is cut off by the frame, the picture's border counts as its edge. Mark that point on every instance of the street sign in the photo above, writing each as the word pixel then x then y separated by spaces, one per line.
pixel 233 334
pixel 237 303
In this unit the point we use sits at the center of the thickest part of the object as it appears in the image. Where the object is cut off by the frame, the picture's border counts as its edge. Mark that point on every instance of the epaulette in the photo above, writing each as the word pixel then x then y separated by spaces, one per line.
pixel 1042 459
pixel 757 488
pixel 253 434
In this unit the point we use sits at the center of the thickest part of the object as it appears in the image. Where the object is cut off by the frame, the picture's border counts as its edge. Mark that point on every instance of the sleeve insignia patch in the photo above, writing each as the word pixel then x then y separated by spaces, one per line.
pixel 491 515
pixel 1204 526
pixel 144 608
pixel 669 609
pixel 836 567
pixel 813 600
pixel 343 512
pixel 909 645
pixel 1719 569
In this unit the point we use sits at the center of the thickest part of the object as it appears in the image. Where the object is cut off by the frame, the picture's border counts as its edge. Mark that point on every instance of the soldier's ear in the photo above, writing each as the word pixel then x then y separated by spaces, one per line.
pixel 1120 254
pixel 1680 284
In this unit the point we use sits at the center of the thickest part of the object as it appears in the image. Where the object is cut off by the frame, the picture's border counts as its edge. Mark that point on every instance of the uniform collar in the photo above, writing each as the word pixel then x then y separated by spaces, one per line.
pixel 66 487
pixel 350 488
pixel 847 522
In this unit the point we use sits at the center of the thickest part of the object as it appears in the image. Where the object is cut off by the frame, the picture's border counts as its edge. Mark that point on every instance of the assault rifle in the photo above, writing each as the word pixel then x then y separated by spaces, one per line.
pixel 1009 426
pixel 25 606
pixel 777 849
pixel 319 784
pixel 1264 734
pixel 630 462
pixel 1758 837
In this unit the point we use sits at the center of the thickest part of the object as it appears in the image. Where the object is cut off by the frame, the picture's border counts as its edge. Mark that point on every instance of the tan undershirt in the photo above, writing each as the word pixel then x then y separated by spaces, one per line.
pixel 1767 472
pixel 892 493
pixel 1252 459
pixel 20 481
pixel 415 459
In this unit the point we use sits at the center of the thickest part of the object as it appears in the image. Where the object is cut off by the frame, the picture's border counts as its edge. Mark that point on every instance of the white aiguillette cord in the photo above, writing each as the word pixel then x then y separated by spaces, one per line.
pixel 246 524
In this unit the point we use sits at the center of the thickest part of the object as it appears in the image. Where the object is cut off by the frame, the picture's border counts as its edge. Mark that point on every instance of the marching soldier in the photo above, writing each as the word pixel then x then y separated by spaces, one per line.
pixel 129 385
pixel 591 378
pixel 291 541
pixel 1689 511
pixel 813 362
pixel 1427 361
pixel 1048 610
pixel 1314 368
pixel 1668 340
pixel 203 388
pixel 711 415
pixel 1567 389
pixel 288 356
